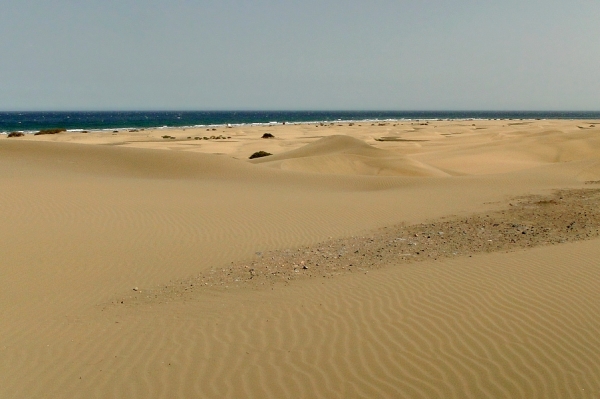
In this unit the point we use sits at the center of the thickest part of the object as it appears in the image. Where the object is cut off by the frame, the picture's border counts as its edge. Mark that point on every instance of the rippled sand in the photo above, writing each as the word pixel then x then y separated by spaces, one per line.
pixel 92 220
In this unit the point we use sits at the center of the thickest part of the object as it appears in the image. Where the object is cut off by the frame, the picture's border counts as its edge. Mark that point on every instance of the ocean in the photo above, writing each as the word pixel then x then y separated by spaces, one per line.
pixel 31 122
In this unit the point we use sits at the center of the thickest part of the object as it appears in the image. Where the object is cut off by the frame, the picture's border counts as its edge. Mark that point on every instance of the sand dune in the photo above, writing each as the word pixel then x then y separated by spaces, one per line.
pixel 517 151
pixel 85 219
pixel 346 155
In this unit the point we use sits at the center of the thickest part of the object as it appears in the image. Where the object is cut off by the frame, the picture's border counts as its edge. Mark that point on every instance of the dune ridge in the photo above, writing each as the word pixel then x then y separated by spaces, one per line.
pixel 528 222
pixel 347 155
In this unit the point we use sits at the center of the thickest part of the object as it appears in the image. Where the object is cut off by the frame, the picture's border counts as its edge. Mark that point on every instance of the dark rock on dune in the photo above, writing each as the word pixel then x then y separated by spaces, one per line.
pixel 267 136
pixel 15 134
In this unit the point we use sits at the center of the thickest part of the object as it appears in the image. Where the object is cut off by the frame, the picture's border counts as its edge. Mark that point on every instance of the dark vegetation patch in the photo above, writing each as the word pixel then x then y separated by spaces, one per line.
pixel 260 154
pixel 50 131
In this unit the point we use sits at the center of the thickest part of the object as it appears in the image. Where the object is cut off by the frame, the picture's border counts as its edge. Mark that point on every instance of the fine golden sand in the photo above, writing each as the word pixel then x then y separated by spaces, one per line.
pixel 438 259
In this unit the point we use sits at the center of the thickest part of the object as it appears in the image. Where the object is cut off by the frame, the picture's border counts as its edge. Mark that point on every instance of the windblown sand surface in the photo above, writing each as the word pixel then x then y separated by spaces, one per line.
pixel 440 259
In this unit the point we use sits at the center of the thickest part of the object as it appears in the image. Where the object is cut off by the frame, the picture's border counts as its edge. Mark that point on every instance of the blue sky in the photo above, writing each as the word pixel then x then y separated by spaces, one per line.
pixel 230 54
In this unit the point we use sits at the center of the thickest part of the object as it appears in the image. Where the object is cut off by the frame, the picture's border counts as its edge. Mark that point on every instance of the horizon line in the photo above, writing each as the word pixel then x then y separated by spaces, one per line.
pixel 296 110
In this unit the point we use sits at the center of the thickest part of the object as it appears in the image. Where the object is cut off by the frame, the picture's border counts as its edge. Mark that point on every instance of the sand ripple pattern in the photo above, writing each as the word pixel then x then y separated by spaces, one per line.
pixel 496 325
pixel 492 326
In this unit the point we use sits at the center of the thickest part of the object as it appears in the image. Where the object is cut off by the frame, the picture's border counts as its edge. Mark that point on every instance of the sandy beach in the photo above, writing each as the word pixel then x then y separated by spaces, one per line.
pixel 409 259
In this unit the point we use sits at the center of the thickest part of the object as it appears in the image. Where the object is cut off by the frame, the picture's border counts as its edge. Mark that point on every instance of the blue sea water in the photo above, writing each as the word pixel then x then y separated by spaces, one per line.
pixel 34 121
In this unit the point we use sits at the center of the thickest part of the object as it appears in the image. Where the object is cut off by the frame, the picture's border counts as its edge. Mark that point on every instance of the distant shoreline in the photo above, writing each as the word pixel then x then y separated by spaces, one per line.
pixel 31 121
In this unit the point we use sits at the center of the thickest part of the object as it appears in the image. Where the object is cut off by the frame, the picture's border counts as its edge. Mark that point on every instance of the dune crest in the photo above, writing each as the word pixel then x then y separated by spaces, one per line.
pixel 346 155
